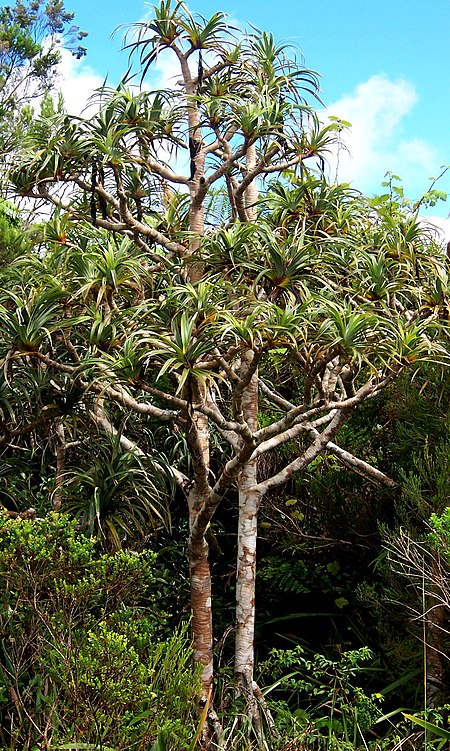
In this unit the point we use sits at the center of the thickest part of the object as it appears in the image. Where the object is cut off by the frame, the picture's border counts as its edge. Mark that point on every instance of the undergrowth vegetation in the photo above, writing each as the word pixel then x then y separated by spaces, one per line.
pixel 87 655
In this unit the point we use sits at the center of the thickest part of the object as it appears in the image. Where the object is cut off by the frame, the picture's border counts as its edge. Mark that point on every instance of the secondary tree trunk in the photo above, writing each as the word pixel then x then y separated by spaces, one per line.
pixel 245 586
pixel 249 500
pixel 60 464
pixel 251 193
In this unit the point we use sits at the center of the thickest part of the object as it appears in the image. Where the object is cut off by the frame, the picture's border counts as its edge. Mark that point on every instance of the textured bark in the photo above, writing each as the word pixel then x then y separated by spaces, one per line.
pixel 60 465
pixel 251 192
pixel 199 498
pixel 198 433
pixel 200 580
pixel 249 499
pixel 197 184
pixel 245 586
pixel 197 223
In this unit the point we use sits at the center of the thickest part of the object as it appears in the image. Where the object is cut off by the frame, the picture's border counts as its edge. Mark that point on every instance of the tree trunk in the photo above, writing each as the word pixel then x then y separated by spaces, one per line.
pixel 200 576
pixel 199 568
pixel 249 500
pixel 251 193
pixel 202 631
pixel 60 465
pixel 245 587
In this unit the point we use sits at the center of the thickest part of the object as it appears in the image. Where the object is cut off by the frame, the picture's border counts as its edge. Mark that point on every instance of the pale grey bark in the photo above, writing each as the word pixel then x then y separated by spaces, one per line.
pixel 246 410
pixel 311 453
pixel 60 452
pixel 249 501
pixel 366 469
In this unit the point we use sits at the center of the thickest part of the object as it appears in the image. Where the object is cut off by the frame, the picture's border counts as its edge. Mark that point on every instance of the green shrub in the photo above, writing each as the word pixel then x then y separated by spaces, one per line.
pixel 322 705
pixel 85 655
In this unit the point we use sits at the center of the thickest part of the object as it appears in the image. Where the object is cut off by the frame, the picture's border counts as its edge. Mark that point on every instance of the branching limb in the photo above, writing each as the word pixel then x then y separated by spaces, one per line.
pixel 368 390
pixel 242 384
pixel 162 170
pixel 275 397
pixel 364 468
pixel 315 448
pixel 292 433
pixel 49 413
pixel 98 415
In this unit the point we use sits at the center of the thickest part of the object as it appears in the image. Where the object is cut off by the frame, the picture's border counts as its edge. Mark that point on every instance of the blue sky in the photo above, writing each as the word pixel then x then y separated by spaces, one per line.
pixel 385 67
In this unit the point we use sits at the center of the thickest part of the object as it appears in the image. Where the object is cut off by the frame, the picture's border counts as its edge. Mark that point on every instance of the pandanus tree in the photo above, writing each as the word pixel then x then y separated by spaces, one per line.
pixel 175 294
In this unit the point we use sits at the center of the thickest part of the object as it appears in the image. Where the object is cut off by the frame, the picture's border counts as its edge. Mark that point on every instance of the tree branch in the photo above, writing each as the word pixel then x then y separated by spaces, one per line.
pixel 369 471
pixel 315 448
pixel 98 415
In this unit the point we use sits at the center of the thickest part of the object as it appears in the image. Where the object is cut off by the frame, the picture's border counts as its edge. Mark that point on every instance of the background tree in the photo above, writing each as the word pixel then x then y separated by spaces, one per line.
pixel 31 36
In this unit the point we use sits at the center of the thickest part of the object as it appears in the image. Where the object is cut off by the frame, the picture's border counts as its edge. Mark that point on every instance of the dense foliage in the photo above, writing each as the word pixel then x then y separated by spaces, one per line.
pixel 86 653
pixel 196 363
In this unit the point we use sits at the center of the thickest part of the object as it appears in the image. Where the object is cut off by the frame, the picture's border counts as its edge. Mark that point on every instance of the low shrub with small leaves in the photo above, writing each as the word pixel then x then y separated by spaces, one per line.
pixel 85 656
pixel 321 704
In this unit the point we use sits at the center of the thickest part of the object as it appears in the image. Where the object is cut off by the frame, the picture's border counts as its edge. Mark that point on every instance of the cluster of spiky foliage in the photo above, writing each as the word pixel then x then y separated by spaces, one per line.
pixel 177 303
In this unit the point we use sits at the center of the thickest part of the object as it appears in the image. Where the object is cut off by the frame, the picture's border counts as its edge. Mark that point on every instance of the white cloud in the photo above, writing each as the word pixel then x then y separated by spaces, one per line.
pixel 375 142
pixel 166 71
pixel 77 82
pixel 442 225
pixel 416 152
